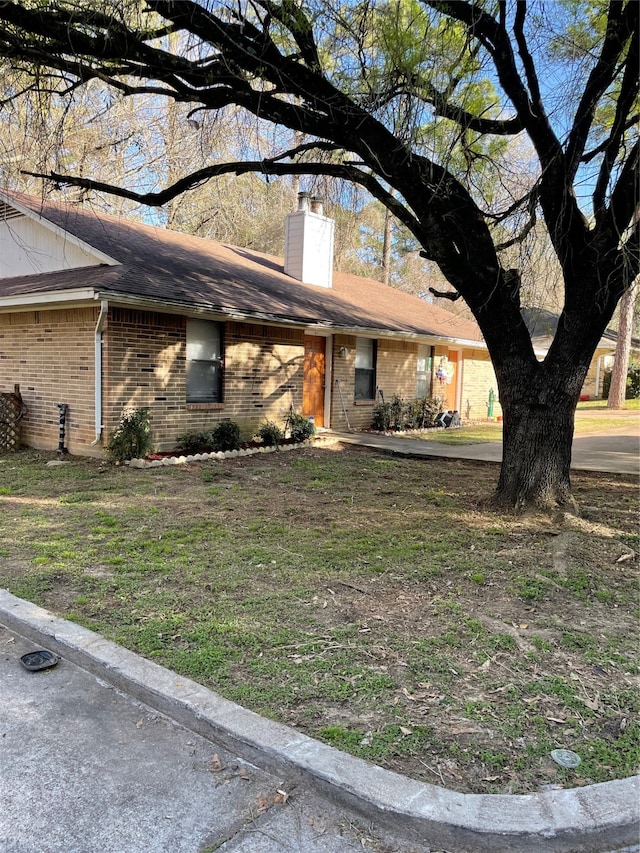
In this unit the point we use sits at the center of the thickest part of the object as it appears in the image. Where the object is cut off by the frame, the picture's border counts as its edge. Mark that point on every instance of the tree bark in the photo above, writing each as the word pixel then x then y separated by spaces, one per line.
pixel 618 387
pixel 536 454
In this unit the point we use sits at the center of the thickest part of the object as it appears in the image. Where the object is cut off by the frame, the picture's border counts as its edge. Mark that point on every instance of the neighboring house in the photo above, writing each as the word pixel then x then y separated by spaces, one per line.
pixel 100 313
pixel 542 325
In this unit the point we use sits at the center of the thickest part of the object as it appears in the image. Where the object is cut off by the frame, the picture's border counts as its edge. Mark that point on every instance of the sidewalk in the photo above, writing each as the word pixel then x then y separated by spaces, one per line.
pixel 615 452
pixel 110 752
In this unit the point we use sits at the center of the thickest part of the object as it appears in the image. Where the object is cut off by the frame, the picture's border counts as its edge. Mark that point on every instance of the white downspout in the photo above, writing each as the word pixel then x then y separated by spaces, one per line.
pixel 598 368
pixel 104 307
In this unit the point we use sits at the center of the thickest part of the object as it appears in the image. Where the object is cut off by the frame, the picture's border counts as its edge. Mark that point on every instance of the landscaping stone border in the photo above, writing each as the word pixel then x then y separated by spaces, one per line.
pixel 220 455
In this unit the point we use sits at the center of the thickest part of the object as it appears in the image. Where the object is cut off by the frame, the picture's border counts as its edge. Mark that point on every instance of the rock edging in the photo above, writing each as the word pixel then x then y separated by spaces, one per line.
pixel 220 455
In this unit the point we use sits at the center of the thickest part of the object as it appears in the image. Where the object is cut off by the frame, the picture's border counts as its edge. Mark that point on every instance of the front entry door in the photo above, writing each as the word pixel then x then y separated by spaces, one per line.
pixel 313 378
pixel 451 385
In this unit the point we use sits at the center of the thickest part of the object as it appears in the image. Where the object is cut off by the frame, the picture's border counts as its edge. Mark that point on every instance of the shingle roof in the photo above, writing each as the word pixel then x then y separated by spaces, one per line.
pixel 178 269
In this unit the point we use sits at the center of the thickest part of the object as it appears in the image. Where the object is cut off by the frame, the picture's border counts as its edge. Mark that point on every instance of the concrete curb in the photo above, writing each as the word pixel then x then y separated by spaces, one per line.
pixel 589 820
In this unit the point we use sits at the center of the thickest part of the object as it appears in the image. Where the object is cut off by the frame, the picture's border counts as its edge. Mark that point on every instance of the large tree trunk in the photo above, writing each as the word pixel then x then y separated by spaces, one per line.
pixel 536 455
pixel 539 411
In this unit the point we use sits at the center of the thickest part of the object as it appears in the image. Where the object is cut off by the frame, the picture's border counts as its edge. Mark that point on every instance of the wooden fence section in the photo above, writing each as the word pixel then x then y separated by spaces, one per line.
pixel 12 410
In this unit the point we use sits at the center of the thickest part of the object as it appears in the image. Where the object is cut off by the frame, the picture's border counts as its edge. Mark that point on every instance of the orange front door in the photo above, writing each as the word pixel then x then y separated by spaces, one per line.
pixel 451 384
pixel 313 378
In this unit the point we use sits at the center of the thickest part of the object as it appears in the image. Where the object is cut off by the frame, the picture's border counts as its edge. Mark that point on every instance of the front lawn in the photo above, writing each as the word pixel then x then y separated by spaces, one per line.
pixel 371 601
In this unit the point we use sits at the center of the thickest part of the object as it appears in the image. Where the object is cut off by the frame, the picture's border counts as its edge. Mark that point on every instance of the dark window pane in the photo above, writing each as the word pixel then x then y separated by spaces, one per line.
pixel 365 384
pixel 204 382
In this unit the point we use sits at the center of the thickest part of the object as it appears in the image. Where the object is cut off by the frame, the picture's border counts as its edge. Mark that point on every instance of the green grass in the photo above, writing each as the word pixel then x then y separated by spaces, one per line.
pixel 601 405
pixel 604 420
pixel 368 600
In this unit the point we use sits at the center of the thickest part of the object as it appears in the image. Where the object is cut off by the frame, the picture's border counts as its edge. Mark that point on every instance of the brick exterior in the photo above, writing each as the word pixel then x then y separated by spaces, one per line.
pixel 50 354
pixel 145 365
pixel 477 378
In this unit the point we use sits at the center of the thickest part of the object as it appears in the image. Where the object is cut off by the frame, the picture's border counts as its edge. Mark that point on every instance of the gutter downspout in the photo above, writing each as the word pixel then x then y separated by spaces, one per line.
pixel 104 307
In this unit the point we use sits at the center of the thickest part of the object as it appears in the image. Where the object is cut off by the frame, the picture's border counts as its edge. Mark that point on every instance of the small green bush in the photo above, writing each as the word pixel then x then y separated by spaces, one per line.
pixel 381 417
pixel 398 415
pixel 225 436
pixel 194 442
pixel 633 381
pixel 132 437
pixel 425 411
pixel 300 427
pixel 269 433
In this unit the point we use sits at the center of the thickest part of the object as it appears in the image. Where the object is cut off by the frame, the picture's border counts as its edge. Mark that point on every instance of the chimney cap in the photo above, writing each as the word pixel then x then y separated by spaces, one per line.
pixel 304 200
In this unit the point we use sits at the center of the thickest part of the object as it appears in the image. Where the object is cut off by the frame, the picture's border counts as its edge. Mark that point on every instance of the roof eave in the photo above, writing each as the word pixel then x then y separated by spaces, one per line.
pixel 60 298
pixel 80 296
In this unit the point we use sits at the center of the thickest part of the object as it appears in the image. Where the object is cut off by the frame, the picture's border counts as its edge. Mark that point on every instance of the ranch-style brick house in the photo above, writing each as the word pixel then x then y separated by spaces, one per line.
pixel 100 313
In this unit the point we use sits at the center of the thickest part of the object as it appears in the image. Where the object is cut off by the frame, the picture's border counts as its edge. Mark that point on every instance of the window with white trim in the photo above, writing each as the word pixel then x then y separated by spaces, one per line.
pixel 204 361
pixel 365 384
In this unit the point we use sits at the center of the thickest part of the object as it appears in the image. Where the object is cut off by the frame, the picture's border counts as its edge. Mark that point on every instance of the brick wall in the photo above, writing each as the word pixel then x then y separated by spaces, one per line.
pixel 396 367
pixel 477 378
pixel 145 363
pixel 50 354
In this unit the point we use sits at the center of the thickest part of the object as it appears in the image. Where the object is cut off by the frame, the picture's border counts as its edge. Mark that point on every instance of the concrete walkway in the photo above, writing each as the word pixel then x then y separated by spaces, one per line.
pixel 615 452
pixel 110 752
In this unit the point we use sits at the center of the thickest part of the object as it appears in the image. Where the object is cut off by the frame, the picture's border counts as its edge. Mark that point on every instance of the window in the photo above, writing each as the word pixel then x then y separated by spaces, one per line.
pixel 423 371
pixel 204 362
pixel 365 369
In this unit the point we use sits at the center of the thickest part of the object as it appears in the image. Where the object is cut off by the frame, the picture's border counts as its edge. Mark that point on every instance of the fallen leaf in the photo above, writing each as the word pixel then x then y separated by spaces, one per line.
pixel 406 731
pixel 139 724
pixel 556 720
pixel 624 557
pixel 215 765
pixel 406 693
pixel 243 773
pixel 593 704
pixel 262 804
pixel 281 796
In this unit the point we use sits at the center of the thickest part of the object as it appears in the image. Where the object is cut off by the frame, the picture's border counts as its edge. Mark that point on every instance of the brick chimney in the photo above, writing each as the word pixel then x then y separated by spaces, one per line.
pixel 308 254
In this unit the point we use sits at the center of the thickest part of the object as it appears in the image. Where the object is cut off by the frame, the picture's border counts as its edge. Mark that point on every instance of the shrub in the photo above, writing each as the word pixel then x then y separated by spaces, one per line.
pixel 132 437
pixel 632 391
pixel 194 442
pixel 225 436
pixel 269 433
pixel 398 415
pixel 381 417
pixel 396 412
pixel 426 411
pixel 633 381
pixel 300 427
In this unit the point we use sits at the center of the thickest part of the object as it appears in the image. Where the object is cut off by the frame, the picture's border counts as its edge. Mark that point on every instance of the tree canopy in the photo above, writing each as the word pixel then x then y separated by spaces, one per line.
pixel 420 102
